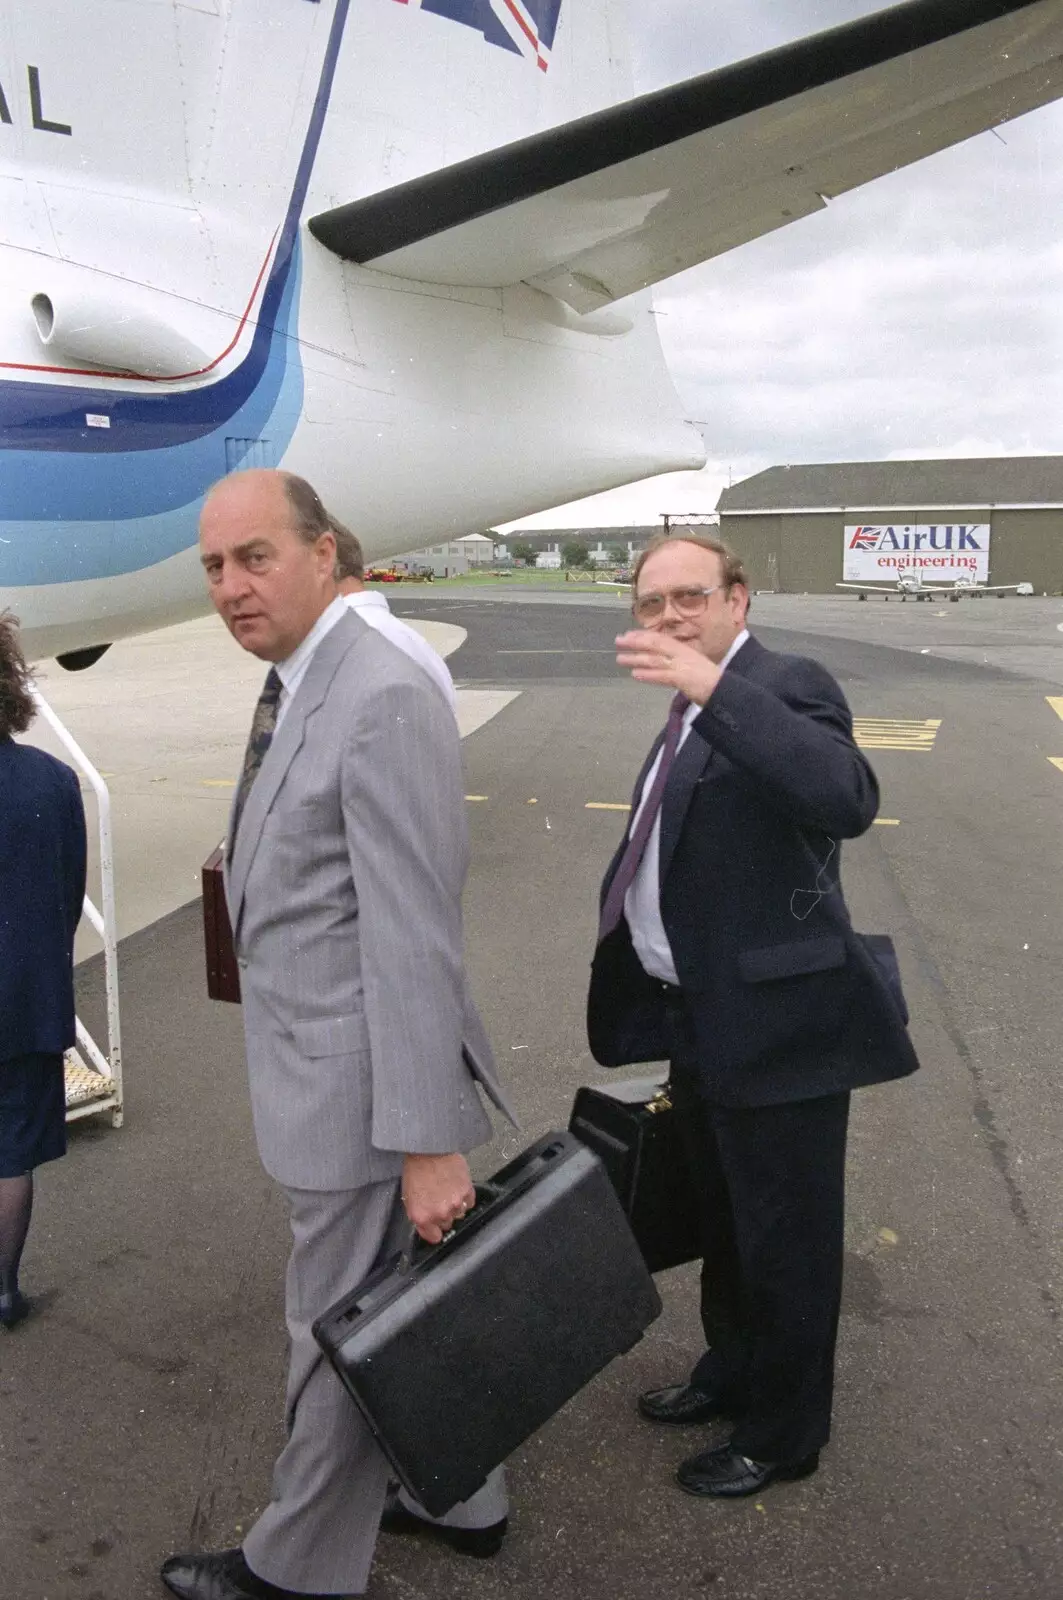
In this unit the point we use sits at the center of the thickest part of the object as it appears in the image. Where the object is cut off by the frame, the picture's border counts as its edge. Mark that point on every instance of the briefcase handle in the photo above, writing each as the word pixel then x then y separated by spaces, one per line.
pixel 417 1248
pixel 506 1185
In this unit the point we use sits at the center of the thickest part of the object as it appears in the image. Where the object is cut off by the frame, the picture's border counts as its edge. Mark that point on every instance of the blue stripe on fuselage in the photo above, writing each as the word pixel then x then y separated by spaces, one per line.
pixel 96 516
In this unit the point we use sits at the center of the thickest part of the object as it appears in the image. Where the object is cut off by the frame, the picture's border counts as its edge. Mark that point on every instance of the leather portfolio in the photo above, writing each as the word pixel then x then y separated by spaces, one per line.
pixel 632 1127
pixel 223 975
pixel 458 1352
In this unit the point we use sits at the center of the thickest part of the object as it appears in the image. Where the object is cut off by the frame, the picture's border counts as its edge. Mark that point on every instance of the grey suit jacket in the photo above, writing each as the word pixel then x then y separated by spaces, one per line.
pixel 344 889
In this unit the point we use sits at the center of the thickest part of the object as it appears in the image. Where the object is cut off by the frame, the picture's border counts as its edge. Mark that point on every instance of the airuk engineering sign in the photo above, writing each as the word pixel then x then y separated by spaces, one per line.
pixel 941 552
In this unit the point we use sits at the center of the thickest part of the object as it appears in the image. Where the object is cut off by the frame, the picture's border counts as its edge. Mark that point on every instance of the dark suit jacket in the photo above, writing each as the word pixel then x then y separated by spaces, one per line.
pixel 787 1003
pixel 42 886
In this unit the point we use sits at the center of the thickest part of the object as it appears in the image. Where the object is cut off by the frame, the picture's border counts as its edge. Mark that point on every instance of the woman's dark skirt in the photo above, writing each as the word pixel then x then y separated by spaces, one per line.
pixel 32 1113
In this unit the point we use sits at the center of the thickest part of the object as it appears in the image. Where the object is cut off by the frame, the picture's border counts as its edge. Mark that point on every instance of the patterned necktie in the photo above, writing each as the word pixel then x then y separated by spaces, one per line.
pixel 613 908
pixel 263 724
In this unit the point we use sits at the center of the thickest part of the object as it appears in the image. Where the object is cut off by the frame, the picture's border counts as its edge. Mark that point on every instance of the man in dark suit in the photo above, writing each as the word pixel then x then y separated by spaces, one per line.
pixel 725 946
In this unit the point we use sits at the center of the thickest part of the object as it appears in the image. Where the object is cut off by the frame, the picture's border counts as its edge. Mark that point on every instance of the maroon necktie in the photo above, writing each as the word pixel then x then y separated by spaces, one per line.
pixel 613 908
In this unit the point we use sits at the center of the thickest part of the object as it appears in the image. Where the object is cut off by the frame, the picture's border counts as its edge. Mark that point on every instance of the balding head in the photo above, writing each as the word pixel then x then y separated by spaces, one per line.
pixel 268 554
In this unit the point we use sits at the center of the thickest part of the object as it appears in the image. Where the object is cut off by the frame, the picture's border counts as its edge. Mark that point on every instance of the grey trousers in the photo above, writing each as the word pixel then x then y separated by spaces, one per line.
pixel 318 1532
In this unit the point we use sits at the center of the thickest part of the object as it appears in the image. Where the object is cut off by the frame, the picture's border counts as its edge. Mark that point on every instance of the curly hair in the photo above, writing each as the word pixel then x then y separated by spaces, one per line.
pixel 17 710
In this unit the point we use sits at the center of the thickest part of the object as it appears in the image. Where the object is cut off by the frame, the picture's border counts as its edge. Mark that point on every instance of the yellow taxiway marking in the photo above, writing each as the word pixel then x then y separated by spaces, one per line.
pixel 615 805
pixel 218 783
pixel 1057 761
pixel 895 733
pixel 478 797
pixel 1056 702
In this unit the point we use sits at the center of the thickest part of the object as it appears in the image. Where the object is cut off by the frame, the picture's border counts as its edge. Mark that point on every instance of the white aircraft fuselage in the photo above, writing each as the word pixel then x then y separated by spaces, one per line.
pixel 401 247
pixel 165 317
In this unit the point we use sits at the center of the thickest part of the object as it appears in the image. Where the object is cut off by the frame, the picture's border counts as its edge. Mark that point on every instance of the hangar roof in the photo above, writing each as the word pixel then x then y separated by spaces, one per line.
pixel 965 485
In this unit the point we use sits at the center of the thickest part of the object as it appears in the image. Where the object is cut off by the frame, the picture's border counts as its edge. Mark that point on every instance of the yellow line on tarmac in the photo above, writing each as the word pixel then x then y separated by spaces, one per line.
pixel 887 822
pixel 605 805
pixel 895 733
pixel 476 797
pixel 1056 702
pixel 1057 761
pixel 218 783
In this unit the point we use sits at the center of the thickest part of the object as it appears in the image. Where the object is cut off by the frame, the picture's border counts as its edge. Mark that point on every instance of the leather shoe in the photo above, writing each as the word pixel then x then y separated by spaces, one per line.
pixel 14 1309
pixel 727 1475
pixel 222 1576
pixel 681 1404
pixel 479 1542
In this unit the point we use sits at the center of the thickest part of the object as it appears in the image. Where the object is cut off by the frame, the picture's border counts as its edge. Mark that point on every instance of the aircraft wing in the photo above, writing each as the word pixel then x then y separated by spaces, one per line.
pixel 595 209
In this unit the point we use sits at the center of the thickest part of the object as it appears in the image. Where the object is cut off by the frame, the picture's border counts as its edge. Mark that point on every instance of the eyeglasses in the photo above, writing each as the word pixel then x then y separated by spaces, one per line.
pixel 649 608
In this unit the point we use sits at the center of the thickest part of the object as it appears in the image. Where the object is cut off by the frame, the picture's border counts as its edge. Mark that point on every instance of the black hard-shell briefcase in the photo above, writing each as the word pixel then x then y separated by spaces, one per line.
pixel 456 1356
pixel 633 1127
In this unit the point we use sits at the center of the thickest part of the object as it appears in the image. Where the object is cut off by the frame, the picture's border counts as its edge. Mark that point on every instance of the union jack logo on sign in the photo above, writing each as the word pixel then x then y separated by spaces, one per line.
pixel 865 539
pixel 526 27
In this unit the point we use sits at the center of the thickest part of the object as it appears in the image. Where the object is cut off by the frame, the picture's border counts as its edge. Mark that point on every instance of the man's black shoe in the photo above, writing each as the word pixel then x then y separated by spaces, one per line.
pixel 223 1576
pixel 14 1308
pixel 681 1404
pixel 725 1475
pixel 479 1542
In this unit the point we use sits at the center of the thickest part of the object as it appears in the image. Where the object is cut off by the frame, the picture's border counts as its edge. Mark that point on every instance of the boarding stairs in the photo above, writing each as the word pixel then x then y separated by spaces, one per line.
pixel 94 1074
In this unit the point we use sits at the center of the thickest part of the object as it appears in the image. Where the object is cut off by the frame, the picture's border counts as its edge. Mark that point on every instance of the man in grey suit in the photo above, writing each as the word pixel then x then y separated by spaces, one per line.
pixel 366 1056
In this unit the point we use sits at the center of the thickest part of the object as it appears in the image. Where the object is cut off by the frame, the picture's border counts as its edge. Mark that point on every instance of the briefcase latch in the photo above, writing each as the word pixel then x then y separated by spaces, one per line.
pixel 660 1102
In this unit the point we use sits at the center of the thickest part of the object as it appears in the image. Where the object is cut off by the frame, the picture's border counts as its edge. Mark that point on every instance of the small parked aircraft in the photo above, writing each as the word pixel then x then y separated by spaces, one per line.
pixel 911 582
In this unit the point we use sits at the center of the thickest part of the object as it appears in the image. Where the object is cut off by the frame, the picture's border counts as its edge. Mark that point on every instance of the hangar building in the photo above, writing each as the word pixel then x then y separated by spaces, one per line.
pixel 796 526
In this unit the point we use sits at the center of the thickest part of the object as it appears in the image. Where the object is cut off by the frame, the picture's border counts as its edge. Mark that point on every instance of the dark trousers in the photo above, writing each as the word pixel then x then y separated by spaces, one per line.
pixel 771 1185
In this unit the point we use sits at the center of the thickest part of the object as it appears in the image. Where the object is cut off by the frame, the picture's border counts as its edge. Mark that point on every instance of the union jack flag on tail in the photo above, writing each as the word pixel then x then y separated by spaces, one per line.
pixel 526 27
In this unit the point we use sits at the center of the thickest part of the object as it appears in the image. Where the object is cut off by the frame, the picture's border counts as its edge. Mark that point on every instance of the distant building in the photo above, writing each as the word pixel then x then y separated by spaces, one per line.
pixel 605 547
pixel 455 557
pixel 600 543
pixel 800 529
pixel 478 549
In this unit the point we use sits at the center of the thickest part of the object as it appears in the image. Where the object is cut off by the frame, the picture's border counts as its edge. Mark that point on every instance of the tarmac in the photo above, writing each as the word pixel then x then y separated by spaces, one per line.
pixel 141 1410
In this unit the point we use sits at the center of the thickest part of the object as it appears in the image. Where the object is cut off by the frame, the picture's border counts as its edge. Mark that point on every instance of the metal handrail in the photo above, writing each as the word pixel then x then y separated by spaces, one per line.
pixel 104 921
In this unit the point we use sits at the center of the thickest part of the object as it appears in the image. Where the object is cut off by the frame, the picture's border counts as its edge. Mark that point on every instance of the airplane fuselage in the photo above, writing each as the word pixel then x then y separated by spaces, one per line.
pixel 165 317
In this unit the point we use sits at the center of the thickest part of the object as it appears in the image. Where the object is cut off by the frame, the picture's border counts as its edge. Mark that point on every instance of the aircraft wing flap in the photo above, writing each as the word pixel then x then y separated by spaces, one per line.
pixel 597 209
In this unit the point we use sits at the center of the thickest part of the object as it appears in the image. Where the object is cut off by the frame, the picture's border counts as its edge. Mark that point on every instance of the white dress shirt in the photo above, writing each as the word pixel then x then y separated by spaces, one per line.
pixel 292 670
pixel 374 609
pixel 642 903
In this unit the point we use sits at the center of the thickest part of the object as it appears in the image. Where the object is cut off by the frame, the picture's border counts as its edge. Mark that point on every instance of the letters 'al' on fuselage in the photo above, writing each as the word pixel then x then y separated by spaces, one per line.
pixel 38 120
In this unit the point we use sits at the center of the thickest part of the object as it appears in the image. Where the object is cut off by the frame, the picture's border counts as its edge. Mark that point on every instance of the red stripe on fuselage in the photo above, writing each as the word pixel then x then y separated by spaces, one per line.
pixel 151 377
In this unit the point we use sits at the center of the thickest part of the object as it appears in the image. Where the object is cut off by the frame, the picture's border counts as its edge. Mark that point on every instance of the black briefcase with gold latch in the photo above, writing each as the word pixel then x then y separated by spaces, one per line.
pixel 632 1128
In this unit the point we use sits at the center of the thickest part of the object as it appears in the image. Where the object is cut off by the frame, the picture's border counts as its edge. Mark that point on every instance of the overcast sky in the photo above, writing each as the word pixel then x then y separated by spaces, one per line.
pixel 919 316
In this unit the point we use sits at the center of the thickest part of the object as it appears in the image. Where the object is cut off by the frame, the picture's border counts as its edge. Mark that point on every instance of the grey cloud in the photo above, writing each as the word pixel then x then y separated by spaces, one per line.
pixel 920 315
pixel 924 308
